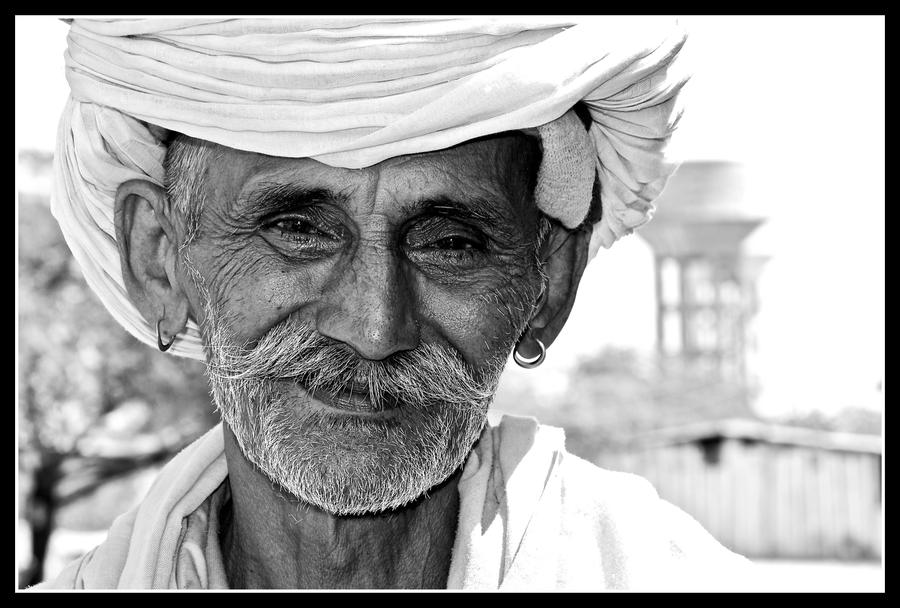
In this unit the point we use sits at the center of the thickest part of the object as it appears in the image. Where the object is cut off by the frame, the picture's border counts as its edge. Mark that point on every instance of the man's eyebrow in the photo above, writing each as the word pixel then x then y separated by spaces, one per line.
pixel 476 209
pixel 274 197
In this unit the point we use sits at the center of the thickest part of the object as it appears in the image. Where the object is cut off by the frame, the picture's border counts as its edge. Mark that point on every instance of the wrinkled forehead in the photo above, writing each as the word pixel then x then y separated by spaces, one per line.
pixel 500 168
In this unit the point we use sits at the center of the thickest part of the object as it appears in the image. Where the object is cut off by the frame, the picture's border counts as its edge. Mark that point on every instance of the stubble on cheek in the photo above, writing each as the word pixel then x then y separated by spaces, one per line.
pixel 503 309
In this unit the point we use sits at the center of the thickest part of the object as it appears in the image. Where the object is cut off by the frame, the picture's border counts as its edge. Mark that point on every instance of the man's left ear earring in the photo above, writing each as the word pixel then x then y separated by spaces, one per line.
pixel 159 342
pixel 533 362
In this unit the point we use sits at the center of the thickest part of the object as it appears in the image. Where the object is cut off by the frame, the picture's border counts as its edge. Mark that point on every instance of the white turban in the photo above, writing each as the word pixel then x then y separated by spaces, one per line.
pixel 351 92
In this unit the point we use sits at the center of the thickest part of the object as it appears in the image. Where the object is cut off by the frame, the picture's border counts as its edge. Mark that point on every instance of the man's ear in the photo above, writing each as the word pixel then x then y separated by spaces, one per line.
pixel 148 248
pixel 565 255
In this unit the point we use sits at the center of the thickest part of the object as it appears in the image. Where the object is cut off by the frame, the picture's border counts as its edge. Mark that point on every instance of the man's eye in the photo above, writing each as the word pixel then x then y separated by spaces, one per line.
pixel 291 227
pixel 456 243
pixel 296 235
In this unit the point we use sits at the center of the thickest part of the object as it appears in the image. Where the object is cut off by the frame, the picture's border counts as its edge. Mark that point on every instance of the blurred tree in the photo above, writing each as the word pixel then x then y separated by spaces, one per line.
pixel 94 403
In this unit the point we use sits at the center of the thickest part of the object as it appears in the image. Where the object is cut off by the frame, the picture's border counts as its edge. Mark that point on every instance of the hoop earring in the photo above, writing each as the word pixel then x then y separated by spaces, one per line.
pixel 159 342
pixel 530 363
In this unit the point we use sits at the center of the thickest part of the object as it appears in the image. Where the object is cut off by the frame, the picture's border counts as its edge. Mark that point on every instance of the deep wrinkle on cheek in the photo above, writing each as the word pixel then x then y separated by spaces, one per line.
pixel 477 321
pixel 471 330
pixel 235 280
pixel 268 297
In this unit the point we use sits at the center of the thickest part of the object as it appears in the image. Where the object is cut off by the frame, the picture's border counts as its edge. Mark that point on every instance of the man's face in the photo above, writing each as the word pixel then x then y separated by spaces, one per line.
pixel 358 320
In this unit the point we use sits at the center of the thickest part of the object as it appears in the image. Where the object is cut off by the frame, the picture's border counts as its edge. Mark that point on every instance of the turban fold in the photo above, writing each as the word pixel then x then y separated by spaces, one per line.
pixel 352 92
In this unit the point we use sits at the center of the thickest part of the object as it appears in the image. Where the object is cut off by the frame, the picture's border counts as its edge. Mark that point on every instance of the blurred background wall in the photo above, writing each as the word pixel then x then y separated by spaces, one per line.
pixel 732 352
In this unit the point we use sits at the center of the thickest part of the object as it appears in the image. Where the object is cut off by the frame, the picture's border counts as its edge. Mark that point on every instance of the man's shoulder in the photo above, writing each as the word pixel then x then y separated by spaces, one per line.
pixel 610 485
pixel 584 477
pixel 608 523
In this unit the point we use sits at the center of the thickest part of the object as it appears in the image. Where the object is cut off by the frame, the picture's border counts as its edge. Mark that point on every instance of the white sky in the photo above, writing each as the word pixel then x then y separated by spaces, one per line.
pixel 800 100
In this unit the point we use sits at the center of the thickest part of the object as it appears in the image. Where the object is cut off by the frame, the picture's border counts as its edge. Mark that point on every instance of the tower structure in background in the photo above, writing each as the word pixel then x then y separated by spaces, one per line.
pixel 705 283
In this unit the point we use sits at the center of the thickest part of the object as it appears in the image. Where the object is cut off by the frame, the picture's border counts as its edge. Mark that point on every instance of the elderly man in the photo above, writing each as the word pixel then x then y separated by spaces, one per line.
pixel 354 222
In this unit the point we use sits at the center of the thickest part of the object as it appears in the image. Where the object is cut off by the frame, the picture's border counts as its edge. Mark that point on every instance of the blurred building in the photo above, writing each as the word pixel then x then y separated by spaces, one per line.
pixel 705 283
pixel 764 490
pixel 767 491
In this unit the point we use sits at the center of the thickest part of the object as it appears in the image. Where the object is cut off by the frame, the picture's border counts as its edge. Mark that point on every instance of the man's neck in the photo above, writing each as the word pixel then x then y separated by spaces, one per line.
pixel 270 540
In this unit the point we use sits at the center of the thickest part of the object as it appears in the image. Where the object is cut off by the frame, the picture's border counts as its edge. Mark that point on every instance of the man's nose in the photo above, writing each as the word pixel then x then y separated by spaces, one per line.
pixel 370 306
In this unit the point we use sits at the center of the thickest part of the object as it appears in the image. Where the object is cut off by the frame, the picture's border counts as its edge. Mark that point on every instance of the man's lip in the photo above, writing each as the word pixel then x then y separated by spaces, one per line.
pixel 348 402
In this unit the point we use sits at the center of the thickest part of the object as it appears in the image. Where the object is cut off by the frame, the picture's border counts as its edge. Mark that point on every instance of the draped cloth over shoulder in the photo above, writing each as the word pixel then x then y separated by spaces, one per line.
pixel 351 92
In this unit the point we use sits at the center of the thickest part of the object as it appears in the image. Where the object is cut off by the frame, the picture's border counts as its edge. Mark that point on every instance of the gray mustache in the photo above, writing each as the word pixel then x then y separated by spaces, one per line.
pixel 431 374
